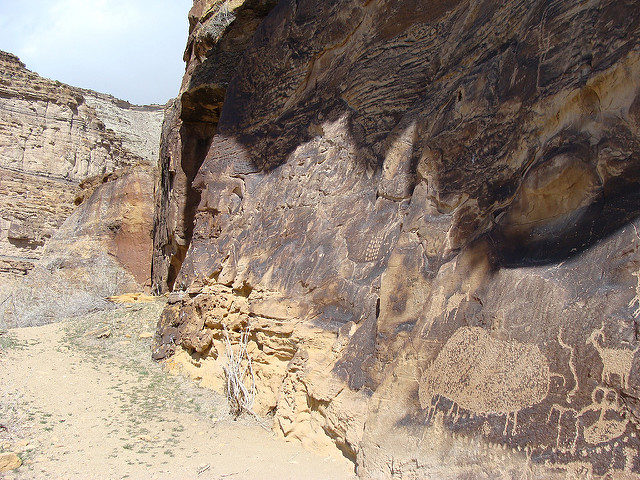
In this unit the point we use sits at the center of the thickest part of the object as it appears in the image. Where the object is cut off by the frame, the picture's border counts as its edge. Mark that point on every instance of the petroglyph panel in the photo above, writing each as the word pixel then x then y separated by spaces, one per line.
pixel 486 375
pixel 507 392
pixel 454 184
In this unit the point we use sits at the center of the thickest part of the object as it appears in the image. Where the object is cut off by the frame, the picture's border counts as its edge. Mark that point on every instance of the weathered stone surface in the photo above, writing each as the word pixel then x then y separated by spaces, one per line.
pixel 449 193
pixel 292 362
pixel 53 137
pixel 77 194
pixel 213 52
pixel 102 249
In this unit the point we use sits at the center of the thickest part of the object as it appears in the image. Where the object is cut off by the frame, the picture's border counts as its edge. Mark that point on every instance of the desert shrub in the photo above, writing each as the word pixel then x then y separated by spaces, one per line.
pixel 238 369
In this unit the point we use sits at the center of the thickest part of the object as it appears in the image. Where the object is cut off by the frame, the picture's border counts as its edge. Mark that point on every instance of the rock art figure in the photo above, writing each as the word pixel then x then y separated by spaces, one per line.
pixel 562 411
pixel 609 425
pixel 572 366
pixel 615 361
pixel 486 375
pixel 604 400
pixel 635 301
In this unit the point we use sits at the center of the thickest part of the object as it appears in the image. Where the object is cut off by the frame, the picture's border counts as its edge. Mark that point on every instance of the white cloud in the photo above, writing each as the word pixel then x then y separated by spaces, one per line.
pixel 129 48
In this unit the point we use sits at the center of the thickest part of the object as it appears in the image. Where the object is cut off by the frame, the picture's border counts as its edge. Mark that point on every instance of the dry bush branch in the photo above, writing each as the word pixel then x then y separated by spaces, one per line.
pixel 238 369
pixel 223 17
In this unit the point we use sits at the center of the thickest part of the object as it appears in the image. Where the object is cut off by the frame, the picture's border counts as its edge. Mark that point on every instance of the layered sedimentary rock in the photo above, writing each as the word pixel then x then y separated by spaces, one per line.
pixel 102 249
pixel 426 213
pixel 53 137
pixel 76 196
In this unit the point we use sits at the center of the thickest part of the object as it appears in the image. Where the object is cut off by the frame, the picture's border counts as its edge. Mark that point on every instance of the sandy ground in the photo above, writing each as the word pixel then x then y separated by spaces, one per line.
pixel 83 400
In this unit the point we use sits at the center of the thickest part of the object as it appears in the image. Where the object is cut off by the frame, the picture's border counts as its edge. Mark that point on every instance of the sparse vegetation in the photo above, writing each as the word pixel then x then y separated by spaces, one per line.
pixel 221 19
pixel 238 369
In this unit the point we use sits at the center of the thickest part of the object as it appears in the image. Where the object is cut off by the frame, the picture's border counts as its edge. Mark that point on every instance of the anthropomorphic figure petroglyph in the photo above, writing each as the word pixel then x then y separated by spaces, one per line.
pixel 615 361
pixel 572 366
pixel 564 411
pixel 486 375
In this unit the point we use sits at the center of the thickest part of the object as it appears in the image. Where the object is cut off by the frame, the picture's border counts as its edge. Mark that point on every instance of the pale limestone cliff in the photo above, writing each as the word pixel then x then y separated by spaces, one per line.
pixel 76 197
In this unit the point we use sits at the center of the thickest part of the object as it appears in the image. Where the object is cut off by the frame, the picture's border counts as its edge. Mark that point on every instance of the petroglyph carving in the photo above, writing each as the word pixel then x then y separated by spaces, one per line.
pixel 486 375
pixel 363 249
pixel 578 471
pixel 561 412
pixel 609 424
pixel 372 251
pixel 604 401
pixel 615 361
pixel 629 455
pixel 635 301
pixel 572 366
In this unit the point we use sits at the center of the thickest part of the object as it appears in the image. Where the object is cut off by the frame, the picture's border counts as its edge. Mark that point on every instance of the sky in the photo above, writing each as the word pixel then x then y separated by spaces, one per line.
pixel 131 49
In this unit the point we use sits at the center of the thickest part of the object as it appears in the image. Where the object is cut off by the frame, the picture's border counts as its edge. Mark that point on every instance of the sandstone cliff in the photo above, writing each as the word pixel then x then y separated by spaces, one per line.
pixel 214 49
pixel 52 138
pixel 427 213
pixel 76 196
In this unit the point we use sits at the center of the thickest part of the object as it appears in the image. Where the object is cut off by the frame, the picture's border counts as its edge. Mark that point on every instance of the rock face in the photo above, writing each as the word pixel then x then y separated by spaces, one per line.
pixel 427 214
pixel 191 121
pixel 102 249
pixel 53 137
pixel 76 202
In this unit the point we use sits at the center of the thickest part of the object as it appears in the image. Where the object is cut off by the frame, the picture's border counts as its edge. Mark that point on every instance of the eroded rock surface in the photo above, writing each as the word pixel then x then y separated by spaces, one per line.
pixel 102 249
pixel 53 137
pixel 214 50
pixel 427 213
pixel 76 196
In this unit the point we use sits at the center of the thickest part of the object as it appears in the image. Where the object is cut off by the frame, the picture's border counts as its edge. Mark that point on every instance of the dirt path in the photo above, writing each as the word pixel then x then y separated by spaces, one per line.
pixel 92 405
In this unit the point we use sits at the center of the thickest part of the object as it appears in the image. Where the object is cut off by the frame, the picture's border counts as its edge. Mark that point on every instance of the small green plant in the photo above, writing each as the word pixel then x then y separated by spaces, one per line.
pixel 9 342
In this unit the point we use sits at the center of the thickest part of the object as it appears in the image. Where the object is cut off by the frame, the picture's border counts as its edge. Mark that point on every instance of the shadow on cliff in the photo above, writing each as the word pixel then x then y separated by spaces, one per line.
pixel 312 63
pixel 570 237
pixel 198 111
pixel 274 106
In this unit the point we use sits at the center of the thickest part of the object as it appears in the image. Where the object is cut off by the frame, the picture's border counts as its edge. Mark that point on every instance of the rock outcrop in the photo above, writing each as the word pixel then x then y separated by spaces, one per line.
pixel 102 249
pixel 426 212
pixel 76 196
pixel 191 122
pixel 54 137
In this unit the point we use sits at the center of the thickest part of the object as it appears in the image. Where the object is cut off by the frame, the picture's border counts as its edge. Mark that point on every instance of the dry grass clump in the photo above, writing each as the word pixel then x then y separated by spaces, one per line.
pixel 238 369
pixel 13 416
pixel 223 17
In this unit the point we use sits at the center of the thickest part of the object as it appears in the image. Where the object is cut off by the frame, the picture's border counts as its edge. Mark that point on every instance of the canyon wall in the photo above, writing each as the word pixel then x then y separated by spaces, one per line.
pixel 427 215
pixel 214 49
pixel 76 196
pixel 54 137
